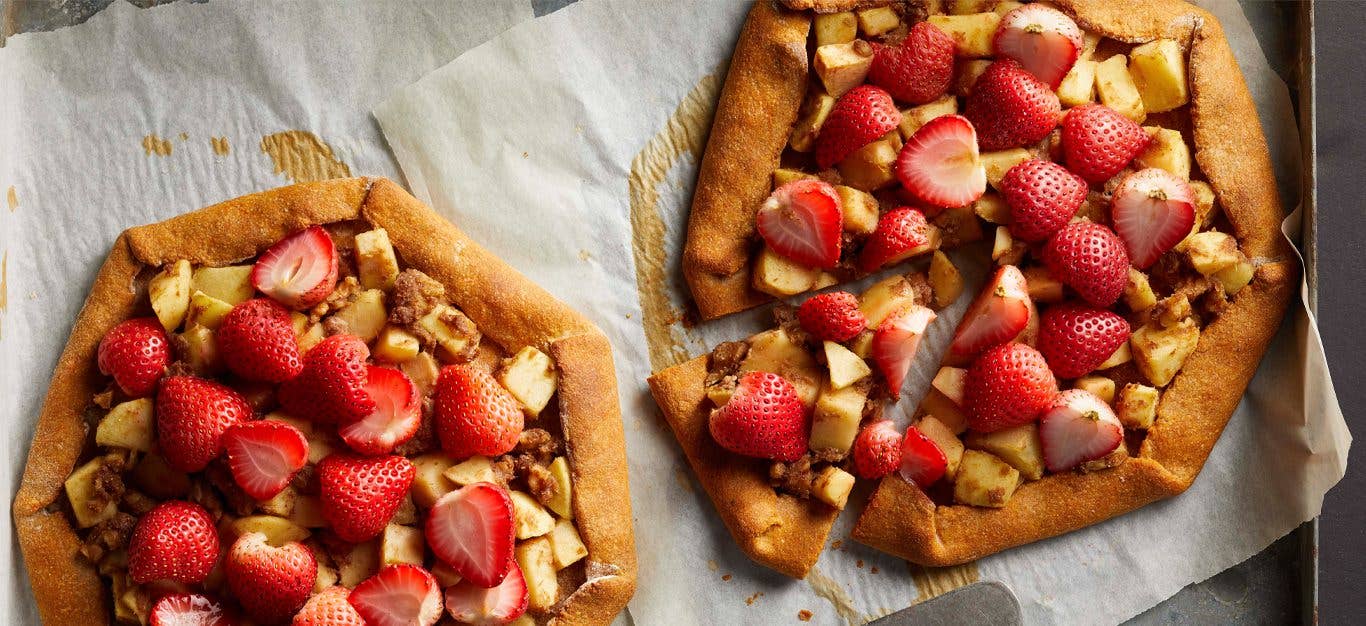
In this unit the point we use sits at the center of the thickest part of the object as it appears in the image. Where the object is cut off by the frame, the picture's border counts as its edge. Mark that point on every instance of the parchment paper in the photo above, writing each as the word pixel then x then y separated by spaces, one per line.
pixel 139 115
pixel 580 133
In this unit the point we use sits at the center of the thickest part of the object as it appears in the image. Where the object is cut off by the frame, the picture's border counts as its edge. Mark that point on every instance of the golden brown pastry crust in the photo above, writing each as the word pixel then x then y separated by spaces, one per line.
pixel 508 308
pixel 748 135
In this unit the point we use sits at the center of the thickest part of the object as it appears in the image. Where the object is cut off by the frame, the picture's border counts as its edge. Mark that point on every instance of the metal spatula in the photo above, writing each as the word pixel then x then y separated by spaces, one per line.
pixel 978 603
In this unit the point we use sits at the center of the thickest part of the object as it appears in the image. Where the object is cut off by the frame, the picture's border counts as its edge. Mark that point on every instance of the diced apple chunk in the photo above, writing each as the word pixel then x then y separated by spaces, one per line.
pixel 773 351
pixel 884 297
pixel 445 575
pixel 422 370
pixel 401 544
pixel 206 310
pixel 832 486
pixel 365 316
pixel 230 284
pixel 1204 204
pixel 814 110
pixel 87 504
pixel 1234 277
pixel 860 210
pixel 1168 151
pixel 281 504
pixel 835 28
pixel 430 482
pixel 877 20
pixel 359 563
pixel 984 480
pixel 1138 294
pixel 1159 73
pixel 1043 287
pixel 456 337
pixel 1004 249
pixel 945 280
pixel 955 226
pixel 529 518
pixel 1018 446
pixel 566 548
pixel 531 377
pixel 946 439
pixel 169 292
pixel 1116 88
pixel 968 7
pixel 785 175
pixel 1078 87
pixel 1089 41
pixel 395 345
pixel 1099 386
pixel 973 33
pixel 915 117
pixel 1137 406
pixel 312 336
pixel 1160 352
pixel 776 275
pixel 476 469
pixel 278 530
pixel 562 501
pixel 999 162
pixel 966 73
pixel 945 410
pixel 843 66
pixel 307 512
pixel 536 558
pixel 992 208
pixel 201 350
pixel 1123 354
pixel 128 425
pixel 951 381
pixel 836 419
pixel 375 260
pixel 1211 252
pixel 871 167
pixel 846 368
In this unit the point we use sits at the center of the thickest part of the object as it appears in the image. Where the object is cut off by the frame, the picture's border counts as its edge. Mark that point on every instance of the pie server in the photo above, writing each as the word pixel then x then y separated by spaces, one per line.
pixel 979 603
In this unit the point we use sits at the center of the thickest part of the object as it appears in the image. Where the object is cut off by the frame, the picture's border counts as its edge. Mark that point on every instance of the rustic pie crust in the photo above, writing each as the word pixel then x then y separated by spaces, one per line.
pixel 509 308
pixel 754 117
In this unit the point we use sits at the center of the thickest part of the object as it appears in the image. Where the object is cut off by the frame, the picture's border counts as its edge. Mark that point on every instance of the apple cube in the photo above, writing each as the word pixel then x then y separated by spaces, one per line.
pixel 945 280
pixel 860 210
pixel 999 162
pixel 1137 406
pixel 956 226
pixel 984 480
pixel 445 575
pixel 395 345
pixel 846 368
pixel 401 544
pixel 871 167
pixel 375 260
pixel 1205 210
pixel 1168 151
pixel 832 486
pixel 327 575
pixel 1123 354
pixel 946 439
pixel 169 292
pixel 966 73
pixel 230 284
pixel 1078 87
pixel 1004 250
pixel 1099 386
pixel 884 297
pixel 719 392
pixel 951 381
pixel 430 481
pixel 422 370
pixel 814 110
pixel 365 316
pixel 1138 294
pixel 862 344
pixel 536 558
pixel 1160 352
pixel 308 512
pixel 206 310
pixel 455 335
pixel 945 410
pixel 973 33
pixel 281 504
pixel 406 513
pixel 1089 41
pixel 1234 277
pixel 843 66
pixel 877 20
pixel 992 208
pixel 476 469
pixel 278 530
pixel 1211 252
pixel 776 275
pixel 562 502
pixel 835 28
pixel 531 377
pixel 838 413
pixel 1159 72
pixel 201 350
pixel 128 425
pixel 358 563
pixel 566 548
pixel 784 175
pixel 88 504
pixel 915 117
pixel 1116 88
pixel 1019 446
pixel 312 336
pixel 1043 287
pixel 968 7
pixel 774 351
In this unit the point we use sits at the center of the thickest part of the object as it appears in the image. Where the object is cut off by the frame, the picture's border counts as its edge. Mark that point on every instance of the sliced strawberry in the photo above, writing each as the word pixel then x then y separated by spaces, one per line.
pixel 469 603
pixel 331 387
pixel 135 352
pixel 1077 428
pixel 860 116
pixel 1042 196
pixel 471 530
pixel 360 494
pixel 300 270
pixel 1075 339
pixel 833 316
pixel 802 221
pixel 940 166
pixel 1090 259
pixel 189 609
pixel 175 541
pixel 1153 210
pixel 922 462
pixel 1000 312
pixel 264 455
pixel 1008 385
pixel 901 233
pixel 330 607
pixel 895 342
pixel 398 413
pixel 917 70
pixel 1010 108
pixel 877 450
pixel 474 414
pixel 398 595
pixel 257 342
pixel 1098 142
pixel 764 418
pixel 192 415
pixel 1043 39
pixel 270 583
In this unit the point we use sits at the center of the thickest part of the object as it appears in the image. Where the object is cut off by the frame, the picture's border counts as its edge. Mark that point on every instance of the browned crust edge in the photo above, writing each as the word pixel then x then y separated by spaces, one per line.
pixel 510 309
pixel 776 530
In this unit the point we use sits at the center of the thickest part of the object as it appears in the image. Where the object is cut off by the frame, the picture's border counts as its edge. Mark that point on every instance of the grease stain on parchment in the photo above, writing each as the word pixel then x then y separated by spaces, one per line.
pixel 220 145
pixel 834 593
pixel 154 145
pixel 302 157
pixel 685 133
pixel 12 199
pixel 936 581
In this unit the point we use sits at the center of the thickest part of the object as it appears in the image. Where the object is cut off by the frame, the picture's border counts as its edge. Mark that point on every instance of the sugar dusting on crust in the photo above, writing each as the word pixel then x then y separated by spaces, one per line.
pixel 302 157
pixel 684 133
pixel 935 581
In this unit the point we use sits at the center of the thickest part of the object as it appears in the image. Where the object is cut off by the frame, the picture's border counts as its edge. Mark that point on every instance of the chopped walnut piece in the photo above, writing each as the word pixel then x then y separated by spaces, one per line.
pixel 346 291
pixel 108 536
pixel 221 478
pixel 107 485
pixel 504 470
pixel 541 483
pixel 105 399
pixel 794 478
pixel 424 440
pixel 1113 459
pixel 538 443
pixel 726 359
pixel 415 294
pixel 827 455
pixel 786 316
pixel 137 502
pixel 179 368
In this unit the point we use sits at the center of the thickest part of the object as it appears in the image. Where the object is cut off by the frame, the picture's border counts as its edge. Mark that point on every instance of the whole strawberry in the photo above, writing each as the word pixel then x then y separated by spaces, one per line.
pixel 1011 107
pixel 901 233
pixel 360 494
pixel 1098 142
pixel 329 608
pixel 474 414
pixel 135 352
pixel 270 583
pixel 1075 339
pixel 175 541
pixel 833 316
pixel 1008 385
pixel 877 450
pixel 331 387
pixel 1090 259
pixel 917 70
pixel 860 116
pixel 192 415
pixel 764 418
pixel 1042 196
pixel 257 342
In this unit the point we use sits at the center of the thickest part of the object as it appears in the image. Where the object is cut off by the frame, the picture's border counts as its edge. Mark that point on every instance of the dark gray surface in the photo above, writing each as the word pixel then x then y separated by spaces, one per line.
pixel 978 603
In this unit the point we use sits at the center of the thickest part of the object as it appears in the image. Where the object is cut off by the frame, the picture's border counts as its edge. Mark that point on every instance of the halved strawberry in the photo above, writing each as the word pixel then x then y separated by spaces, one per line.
pixel 922 462
pixel 1000 312
pixel 1098 142
pixel 264 455
pixel 901 233
pixel 1043 39
pixel 135 352
pixel 329 607
pixel 895 342
pixel 360 494
pixel 189 609
pixel 469 603
pixel 271 583
pixel 331 387
pixel 1077 428
pixel 877 450
pixel 1042 196
pixel 398 413
pixel 860 116
pixel 1090 259
pixel 802 221
pixel 833 316
pixel 917 70
pixel 1008 385
pixel 398 595
pixel 940 166
pixel 471 530
pixel 1075 339
pixel 1153 210
pixel 175 541
pixel 300 270
pixel 1010 108
pixel 764 418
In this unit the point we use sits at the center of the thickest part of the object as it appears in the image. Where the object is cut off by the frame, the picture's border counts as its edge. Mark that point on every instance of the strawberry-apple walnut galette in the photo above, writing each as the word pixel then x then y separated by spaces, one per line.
pixel 1111 155
pixel 323 404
